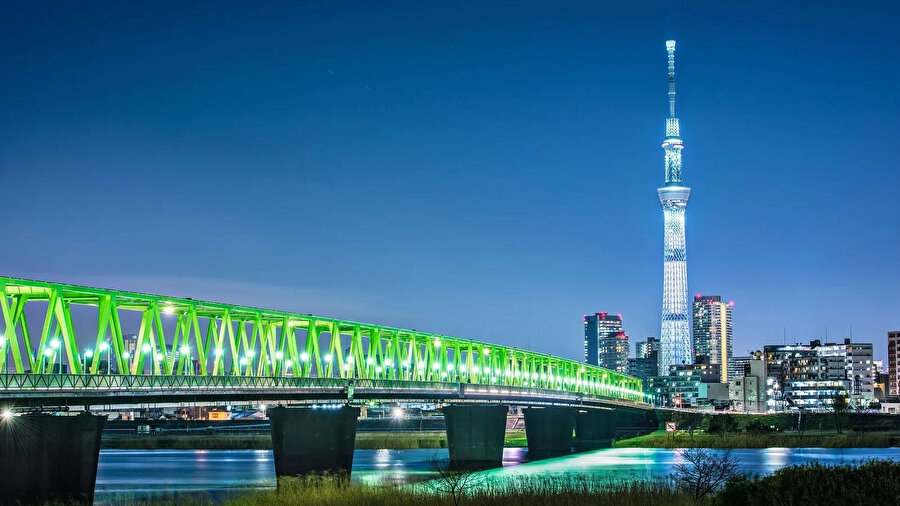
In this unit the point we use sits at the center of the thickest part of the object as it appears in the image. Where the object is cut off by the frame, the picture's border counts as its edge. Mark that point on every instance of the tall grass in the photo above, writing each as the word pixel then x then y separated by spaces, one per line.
pixel 581 492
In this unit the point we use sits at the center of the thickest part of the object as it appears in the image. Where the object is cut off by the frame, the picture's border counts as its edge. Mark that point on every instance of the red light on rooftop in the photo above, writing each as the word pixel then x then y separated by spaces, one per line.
pixel 602 315
pixel 619 315
pixel 731 303
pixel 698 296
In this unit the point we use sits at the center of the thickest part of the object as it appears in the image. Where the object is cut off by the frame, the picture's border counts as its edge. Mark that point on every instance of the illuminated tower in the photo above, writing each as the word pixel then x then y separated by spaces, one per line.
pixel 675 335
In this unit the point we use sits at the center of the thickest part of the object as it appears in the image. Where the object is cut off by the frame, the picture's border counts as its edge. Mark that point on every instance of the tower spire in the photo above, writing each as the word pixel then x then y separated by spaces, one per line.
pixel 670 47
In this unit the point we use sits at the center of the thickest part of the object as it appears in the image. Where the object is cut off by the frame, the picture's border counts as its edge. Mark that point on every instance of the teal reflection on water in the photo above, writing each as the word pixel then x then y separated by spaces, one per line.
pixel 145 473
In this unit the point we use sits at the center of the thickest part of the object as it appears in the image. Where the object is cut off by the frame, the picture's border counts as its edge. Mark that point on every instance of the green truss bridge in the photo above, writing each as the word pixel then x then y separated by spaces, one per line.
pixel 136 348
pixel 191 349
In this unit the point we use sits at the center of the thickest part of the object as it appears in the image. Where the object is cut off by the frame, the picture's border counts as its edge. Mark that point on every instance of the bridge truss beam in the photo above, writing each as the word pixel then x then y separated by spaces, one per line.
pixel 186 337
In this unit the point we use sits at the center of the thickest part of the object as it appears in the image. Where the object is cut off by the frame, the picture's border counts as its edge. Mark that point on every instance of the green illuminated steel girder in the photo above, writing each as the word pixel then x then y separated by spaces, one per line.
pixel 253 342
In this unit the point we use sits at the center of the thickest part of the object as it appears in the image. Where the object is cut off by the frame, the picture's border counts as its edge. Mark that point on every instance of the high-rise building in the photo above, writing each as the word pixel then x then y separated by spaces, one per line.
pixel 646 348
pixel 675 334
pixel 605 343
pixel 713 330
pixel 811 375
pixel 737 365
pixel 893 362
pixel 646 361
pixel 130 344
pixel 853 362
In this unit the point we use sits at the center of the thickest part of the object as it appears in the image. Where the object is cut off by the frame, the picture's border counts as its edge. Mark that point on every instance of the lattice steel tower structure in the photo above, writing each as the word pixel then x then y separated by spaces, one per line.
pixel 675 334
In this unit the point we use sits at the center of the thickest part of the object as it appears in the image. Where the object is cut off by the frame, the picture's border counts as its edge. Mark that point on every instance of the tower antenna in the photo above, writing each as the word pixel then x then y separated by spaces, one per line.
pixel 670 47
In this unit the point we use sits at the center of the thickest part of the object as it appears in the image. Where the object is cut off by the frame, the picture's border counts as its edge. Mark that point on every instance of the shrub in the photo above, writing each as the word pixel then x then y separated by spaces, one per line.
pixel 873 482
pixel 722 424
pixel 757 427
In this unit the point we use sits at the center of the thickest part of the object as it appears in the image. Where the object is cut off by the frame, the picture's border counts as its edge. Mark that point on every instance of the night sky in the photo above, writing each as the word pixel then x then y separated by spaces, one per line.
pixel 486 170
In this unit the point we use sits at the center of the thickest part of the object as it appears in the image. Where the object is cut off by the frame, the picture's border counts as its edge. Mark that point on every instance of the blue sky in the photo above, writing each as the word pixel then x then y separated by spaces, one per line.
pixel 487 170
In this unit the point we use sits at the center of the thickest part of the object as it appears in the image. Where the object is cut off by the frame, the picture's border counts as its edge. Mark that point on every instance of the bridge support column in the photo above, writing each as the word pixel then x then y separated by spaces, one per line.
pixel 309 440
pixel 45 458
pixel 475 434
pixel 549 430
pixel 594 428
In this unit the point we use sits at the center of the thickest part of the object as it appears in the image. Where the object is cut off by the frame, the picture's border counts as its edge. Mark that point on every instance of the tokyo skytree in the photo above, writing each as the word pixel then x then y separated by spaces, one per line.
pixel 675 335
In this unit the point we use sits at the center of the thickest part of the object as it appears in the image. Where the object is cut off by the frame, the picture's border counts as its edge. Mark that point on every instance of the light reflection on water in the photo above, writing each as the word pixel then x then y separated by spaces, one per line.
pixel 140 473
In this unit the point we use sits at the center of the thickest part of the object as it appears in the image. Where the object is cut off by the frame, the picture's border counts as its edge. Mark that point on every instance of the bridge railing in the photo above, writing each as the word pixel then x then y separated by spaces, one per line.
pixel 191 338
pixel 54 386
pixel 124 382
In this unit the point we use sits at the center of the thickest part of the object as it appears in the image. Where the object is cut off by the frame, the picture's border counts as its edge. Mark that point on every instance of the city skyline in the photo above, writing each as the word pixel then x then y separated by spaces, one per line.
pixel 254 163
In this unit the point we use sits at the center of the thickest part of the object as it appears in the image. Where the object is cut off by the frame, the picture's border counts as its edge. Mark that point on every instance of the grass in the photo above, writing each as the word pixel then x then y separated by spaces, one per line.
pixel 329 491
pixel 809 439
pixel 190 442
pixel 364 441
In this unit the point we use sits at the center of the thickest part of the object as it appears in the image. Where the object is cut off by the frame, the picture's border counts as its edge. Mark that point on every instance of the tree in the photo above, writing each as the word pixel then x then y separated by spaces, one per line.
pixel 453 482
pixel 722 424
pixel 704 471
pixel 839 408
pixel 690 420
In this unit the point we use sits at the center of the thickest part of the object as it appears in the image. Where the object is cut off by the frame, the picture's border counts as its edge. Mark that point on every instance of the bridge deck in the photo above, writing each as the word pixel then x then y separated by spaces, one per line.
pixel 35 390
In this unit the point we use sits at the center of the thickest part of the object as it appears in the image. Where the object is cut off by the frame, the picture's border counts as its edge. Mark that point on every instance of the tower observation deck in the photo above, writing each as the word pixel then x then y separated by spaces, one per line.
pixel 675 332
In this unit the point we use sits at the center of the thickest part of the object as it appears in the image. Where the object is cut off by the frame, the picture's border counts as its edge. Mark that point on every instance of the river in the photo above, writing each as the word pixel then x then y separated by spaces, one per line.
pixel 143 473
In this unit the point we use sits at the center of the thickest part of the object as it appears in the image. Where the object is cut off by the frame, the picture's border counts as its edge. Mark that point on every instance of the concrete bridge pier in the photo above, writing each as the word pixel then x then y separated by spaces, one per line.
pixel 46 458
pixel 549 430
pixel 475 434
pixel 594 428
pixel 312 440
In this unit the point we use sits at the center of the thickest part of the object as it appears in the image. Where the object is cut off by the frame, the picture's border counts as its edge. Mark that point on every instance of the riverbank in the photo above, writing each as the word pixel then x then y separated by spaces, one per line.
pixel 810 439
pixel 411 440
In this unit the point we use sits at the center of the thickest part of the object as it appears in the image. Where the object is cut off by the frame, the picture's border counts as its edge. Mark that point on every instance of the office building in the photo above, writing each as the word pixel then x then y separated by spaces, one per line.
pixel 684 388
pixel 690 385
pixel 893 363
pixel 646 348
pixel 130 344
pixel 646 361
pixel 642 367
pixel 737 365
pixel 853 363
pixel 712 330
pixel 747 387
pixel 809 376
pixel 605 343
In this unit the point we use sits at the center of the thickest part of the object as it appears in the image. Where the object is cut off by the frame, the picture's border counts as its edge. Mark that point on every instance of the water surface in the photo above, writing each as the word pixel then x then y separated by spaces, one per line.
pixel 144 473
